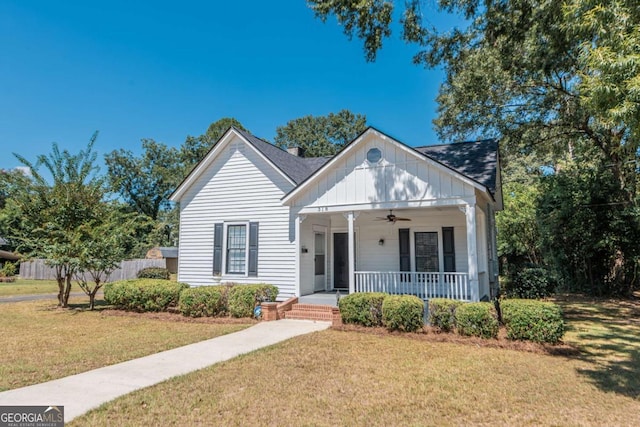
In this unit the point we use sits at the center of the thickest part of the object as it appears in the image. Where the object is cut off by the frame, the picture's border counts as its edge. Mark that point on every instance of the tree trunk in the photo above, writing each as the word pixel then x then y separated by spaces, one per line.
pixel 60 280
pixel 67 291
pixel 92 299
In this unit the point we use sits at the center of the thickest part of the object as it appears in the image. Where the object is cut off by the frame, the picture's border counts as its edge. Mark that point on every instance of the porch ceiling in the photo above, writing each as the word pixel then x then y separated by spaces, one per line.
pixel 371 216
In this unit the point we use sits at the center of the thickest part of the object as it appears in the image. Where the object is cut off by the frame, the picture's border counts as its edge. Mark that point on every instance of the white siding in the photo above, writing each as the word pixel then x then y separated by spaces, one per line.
pixel 239 185
pixel 400 176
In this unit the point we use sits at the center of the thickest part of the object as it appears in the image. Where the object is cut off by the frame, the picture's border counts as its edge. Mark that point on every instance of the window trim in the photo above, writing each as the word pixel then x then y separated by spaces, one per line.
pixel 377 162
pixel 412 246
pixel 225 228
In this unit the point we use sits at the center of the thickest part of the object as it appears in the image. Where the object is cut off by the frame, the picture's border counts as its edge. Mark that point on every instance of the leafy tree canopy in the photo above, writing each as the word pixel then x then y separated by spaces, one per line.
pixel 145 183
pixel 321 135
pixel 559 83
pixel 553 76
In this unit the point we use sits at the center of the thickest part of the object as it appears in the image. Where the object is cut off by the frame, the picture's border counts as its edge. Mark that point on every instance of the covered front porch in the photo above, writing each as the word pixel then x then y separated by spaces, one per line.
pixel 381 216
pixel 430 252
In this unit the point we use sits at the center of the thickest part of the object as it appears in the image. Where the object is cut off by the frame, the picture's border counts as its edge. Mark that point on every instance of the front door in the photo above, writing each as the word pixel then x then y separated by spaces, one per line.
pixel 319 260
pixel 341 261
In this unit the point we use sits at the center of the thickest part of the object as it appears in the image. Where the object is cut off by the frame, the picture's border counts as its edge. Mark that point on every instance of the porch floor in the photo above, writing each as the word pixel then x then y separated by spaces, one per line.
pixel 322 298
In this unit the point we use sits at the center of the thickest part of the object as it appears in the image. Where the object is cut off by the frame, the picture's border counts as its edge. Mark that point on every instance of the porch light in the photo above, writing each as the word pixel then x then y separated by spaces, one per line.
pixel 381 241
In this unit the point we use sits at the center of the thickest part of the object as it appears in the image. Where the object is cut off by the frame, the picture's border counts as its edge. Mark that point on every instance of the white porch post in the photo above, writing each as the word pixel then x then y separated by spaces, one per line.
pixel 299 219
pixel 472 251
pixel 352 253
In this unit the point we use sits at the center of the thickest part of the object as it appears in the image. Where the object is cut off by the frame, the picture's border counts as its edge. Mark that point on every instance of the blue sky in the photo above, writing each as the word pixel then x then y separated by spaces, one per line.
pixel 165 70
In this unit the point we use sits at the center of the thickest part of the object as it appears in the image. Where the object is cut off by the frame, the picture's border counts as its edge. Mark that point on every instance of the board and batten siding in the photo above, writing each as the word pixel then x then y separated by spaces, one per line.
pixel 239 185
pixel 400 176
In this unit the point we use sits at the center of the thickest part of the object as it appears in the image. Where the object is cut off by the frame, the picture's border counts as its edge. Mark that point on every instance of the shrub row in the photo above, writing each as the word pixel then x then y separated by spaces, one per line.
pixel 442 313
pixel 395 312
pixel 477 319
pixel 154 273
pixel 243 298
pixel 524 319
pixel 204 301
pixel 532 320
pixel 362 308
pixel 144 294
pixel 160 295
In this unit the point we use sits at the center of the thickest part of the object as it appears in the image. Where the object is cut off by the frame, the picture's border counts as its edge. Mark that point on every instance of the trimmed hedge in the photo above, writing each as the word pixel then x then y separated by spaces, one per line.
pixel 532 320
pixel 143 294
pixel 154 273
pixel 362 308
pixel 403 313
pixel 242 299
pixel 442 313
pixel 209 301
pixel 477 319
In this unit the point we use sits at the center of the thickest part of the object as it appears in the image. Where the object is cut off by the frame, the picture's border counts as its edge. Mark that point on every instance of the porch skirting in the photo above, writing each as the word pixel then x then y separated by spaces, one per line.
pixel 421 284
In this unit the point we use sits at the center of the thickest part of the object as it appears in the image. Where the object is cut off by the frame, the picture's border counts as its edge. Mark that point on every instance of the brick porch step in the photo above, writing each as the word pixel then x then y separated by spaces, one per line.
pixel 310 312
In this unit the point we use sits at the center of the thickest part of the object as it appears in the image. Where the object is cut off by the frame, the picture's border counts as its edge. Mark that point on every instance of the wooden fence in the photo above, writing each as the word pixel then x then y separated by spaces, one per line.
pixel 38 270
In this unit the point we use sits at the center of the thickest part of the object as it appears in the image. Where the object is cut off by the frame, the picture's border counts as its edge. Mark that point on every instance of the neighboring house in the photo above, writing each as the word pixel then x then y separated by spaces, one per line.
pixel 378 216
pixel 168 253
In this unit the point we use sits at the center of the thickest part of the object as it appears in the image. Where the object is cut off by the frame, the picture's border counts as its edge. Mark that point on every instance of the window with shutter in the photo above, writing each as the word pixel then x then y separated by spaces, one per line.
pixel 235 246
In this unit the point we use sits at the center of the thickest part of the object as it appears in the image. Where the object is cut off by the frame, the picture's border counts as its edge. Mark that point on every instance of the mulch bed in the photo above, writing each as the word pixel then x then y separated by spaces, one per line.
pixel 432 334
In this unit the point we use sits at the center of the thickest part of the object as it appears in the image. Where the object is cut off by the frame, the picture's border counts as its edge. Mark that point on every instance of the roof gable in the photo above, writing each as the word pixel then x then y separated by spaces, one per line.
pixel 475 162
pixel 475 173
pixel 218 148
pixel 295 169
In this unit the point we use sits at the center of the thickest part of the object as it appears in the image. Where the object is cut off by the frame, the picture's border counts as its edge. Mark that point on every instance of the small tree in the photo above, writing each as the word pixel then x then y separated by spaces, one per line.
pixel 51 213
pixel 103 248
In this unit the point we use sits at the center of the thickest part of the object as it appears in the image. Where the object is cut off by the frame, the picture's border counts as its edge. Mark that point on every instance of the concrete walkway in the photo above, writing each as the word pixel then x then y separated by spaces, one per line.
pixel 83 392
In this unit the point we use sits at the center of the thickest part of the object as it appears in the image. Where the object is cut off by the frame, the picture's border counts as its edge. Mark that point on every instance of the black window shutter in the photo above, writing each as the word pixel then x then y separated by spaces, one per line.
pixel 405 255
pixel 217 249
pixel 253 249
pixel 448 249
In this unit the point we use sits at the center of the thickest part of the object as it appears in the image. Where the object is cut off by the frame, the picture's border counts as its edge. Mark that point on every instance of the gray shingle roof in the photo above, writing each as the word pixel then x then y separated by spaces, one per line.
pixel 477 160
pixel 296 168
pixel 169 251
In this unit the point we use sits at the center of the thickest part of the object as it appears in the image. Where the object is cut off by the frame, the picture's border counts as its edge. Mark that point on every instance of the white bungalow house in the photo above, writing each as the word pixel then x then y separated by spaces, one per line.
pixel 378 216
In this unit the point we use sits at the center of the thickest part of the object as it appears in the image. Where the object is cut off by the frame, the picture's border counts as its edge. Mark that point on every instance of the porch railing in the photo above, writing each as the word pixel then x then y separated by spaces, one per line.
pixel 421 284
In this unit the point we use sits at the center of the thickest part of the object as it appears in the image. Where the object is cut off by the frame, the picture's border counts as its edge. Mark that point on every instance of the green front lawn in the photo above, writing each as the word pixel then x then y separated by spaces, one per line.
pixel 41 342
pixel 29 287
pixel 354 378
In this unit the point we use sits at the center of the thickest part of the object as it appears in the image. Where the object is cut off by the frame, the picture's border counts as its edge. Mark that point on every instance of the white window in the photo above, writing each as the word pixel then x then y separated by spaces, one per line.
pixel 236 249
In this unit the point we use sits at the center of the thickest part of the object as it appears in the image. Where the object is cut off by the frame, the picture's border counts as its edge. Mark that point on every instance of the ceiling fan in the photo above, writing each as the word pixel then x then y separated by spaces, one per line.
pixel 391 217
